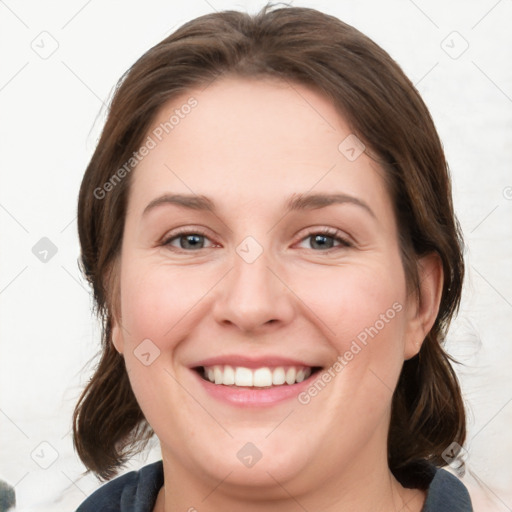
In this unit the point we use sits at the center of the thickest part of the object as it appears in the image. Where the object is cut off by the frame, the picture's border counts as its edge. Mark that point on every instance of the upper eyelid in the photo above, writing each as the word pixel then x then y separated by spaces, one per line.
pixel 186 231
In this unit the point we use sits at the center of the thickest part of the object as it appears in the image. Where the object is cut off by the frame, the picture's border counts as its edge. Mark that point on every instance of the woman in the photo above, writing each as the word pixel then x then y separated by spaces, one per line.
pixel 268 228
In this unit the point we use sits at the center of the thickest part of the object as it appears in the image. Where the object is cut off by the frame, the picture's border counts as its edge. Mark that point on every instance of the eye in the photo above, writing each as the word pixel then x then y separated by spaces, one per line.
pixel 193 241
pixel 325 239
pixel 186 241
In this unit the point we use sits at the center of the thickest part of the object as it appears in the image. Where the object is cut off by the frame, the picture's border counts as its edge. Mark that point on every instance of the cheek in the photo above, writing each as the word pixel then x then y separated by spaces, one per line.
pixel 355 300
pixel 156 301
pixel 362 311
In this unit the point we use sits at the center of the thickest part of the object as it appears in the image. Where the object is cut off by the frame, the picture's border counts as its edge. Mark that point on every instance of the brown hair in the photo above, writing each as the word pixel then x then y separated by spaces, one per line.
pixel 299 45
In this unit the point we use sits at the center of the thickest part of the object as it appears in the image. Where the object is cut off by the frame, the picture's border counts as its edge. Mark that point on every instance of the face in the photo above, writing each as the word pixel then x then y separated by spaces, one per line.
pixel 259 248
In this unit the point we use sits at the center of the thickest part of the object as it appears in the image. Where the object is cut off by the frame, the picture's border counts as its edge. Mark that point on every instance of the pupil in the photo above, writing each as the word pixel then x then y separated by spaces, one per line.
pixel 322 240
pixel 191 241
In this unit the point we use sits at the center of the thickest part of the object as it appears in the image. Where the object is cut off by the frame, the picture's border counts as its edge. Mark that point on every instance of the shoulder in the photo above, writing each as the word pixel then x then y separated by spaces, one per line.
pixel 447 493
pixel 444 491
pixel 135 491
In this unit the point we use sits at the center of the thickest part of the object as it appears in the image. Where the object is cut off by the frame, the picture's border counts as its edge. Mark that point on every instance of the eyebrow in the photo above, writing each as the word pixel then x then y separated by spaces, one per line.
pixel 296 202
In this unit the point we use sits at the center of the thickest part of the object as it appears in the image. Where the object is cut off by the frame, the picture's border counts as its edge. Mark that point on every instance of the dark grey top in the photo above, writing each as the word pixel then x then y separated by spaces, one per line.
pixel 137 491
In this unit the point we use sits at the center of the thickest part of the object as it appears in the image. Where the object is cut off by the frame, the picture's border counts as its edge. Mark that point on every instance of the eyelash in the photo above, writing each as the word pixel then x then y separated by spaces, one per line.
pixel 328 232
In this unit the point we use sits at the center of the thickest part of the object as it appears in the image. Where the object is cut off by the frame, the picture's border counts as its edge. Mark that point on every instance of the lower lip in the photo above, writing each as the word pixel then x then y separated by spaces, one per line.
pixel 254 397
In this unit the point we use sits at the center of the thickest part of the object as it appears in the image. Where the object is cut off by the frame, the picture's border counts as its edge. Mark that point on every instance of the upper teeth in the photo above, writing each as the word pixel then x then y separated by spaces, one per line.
pixel 259 377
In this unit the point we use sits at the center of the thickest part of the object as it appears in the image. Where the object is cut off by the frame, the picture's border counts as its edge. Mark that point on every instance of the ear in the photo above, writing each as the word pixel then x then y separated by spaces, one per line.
pixel 424 305
pixel 117 336
pixel 112 283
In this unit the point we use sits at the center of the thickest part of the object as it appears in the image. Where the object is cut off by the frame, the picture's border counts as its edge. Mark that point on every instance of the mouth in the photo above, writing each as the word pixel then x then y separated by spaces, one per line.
pixel 256 378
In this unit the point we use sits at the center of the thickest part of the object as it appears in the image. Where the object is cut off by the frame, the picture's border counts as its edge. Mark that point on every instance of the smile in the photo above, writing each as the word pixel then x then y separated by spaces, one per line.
pixel 264 377
pixel 260 380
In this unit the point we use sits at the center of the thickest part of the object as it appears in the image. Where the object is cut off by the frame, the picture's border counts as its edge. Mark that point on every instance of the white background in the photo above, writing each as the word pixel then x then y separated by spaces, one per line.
pixel 52 110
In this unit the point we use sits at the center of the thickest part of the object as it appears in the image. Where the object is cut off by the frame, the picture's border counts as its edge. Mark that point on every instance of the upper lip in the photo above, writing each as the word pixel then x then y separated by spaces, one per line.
pixel 252 362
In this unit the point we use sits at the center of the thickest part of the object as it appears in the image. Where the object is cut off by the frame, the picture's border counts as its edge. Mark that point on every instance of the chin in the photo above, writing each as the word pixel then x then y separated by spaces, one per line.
pixel 256 465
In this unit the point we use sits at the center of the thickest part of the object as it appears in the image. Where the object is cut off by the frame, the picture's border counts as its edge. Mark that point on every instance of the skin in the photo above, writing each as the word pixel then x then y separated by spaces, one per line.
pixel 297 299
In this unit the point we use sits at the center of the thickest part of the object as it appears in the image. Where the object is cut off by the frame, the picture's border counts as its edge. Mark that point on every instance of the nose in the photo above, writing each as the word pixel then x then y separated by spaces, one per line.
pixel 254 296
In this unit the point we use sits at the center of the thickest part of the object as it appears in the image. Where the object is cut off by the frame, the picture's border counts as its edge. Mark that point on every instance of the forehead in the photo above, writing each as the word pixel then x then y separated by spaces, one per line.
pixel 254 141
